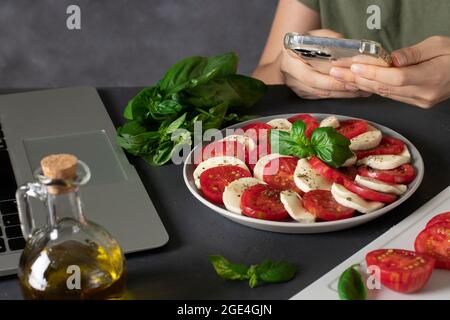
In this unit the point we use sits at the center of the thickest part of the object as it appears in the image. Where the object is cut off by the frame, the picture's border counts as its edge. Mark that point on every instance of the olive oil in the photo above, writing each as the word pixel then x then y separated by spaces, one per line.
pixel 101 275
pixel 70 257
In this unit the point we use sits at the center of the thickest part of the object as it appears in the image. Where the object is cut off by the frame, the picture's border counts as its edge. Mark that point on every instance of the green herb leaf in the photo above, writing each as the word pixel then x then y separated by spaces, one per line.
pixel 282 142
pixel 139 106
pixel 275 271
pixel 235 90
pixel 164 109
pixel 194 71
pixel 228 270
pixel 351 285
pixel 330 146
pixel 267 272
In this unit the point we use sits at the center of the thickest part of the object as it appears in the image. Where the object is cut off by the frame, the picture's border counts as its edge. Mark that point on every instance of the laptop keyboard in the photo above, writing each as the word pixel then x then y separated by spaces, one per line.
pixel 11 238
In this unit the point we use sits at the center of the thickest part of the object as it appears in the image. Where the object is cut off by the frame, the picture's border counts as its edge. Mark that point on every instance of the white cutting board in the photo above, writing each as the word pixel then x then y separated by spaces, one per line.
pixel 401 236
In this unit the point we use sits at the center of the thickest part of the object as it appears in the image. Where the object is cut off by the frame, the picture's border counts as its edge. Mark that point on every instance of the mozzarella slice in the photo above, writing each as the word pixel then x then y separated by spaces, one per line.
pixel 280 124
pixel 384 162
pixel 293 204
pixel 367 140
pixel 330 121
pixel 246 141
pixel 406 153
pixel 349 199
pixel 381 186
pixel 232 195
pixel 216 162
pixel 350 161
pixel 306 179
pixel 258 170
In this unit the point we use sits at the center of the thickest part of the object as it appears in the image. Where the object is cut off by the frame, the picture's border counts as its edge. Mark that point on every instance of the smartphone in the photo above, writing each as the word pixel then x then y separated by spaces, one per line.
pixel 319 52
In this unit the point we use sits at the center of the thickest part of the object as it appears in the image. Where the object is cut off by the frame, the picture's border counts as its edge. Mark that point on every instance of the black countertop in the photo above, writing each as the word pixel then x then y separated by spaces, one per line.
pixel 180 270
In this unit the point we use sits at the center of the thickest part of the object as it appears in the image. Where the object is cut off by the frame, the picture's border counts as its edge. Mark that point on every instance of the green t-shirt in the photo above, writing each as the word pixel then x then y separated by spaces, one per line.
pixel 394 23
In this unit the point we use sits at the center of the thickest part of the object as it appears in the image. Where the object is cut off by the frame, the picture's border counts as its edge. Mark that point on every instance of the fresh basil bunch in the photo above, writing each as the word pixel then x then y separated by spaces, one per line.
pixel 193 89
pixel 325 142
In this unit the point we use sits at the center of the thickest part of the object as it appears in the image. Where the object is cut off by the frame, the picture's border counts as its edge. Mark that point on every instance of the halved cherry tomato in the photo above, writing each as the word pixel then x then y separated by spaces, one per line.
pixel 326 171
pixel 322 204
pixel 401 270
pixel 214 180
pixel 223 148
pixel 435 242
pixel 388 145
pixel 263 202
pixel 403 174
pixel 369 194
pixel 279 173
pixel 443 217
pixel 352 128
pixel 310 122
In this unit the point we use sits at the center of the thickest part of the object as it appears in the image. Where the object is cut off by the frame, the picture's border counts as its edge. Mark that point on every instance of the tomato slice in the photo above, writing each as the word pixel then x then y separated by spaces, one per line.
pixel 369 194
pixel 352 128
pixel 258 131
pixel 310 122
pixel 442 217
pixel 401 270
pixel 388 145
pixel 214 180
pixel 224 148
pixel 279 173
pixel 263 202
pixel 322 204
pixel 435 242
pixel 403 174
pixel 349 172
pixel 326 171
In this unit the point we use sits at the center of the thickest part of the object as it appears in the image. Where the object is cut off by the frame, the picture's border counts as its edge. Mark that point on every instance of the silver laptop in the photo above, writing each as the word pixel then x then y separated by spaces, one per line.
pixel 71 120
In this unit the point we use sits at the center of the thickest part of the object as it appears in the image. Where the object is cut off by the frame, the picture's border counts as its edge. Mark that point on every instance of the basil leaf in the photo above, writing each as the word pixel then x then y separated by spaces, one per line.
pixel 281 142
pixel 135 138
pixel 275 271
pixel 176 124
pixel 138 107
pixel 253 276
pixel 228 270
pixel 235 90
pixel 193 71
pixel 164 109
pixel 330 146
pixel 351 285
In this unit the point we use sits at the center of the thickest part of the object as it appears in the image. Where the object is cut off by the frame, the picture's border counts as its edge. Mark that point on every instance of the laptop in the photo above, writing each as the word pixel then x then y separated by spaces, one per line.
pixel 71 120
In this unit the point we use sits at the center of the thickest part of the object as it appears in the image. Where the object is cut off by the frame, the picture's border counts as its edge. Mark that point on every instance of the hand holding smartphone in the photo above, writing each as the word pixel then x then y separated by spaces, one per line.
pixel 320 52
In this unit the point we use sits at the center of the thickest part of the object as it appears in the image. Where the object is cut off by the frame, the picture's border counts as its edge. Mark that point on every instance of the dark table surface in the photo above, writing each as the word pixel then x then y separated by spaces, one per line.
pixel 180 270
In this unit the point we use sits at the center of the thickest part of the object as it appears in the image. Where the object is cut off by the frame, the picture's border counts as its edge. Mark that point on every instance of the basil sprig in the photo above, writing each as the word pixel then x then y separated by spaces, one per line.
pixel 266 272
pixel 351 285
pixel 325 143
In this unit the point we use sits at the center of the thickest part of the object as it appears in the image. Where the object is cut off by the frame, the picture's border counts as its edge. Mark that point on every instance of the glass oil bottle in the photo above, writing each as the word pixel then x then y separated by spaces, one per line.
pixel 70 257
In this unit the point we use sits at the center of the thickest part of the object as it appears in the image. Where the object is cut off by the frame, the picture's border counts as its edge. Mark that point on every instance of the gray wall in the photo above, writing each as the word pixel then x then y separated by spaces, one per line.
pixel 123 42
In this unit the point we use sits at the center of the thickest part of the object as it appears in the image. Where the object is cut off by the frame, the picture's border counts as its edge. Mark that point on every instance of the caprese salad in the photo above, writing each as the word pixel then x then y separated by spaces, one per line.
pixel 322 171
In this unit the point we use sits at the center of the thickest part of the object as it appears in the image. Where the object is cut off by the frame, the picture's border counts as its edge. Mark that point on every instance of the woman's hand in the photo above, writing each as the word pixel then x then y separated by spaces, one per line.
pixel 420 76
pixel 309 83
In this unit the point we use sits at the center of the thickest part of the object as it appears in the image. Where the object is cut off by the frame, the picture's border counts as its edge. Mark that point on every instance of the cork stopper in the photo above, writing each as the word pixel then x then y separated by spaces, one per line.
pixel 59 166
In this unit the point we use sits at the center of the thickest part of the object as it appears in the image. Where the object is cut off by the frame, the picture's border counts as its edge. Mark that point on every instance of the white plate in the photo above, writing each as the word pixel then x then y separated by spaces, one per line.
pixel 294 226
pixel 401 236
